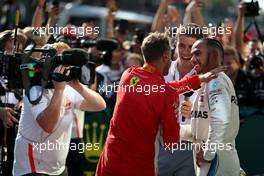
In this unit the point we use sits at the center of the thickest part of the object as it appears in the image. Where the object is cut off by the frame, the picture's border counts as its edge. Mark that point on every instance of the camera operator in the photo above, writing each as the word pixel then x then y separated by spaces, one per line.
pixel 44 131
pixel 75 158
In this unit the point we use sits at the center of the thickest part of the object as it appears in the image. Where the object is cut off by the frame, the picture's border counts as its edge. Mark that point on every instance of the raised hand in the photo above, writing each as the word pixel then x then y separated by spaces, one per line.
pixel 61 71
pixel 7 116
pixel 41 3
pixel 111 5
pixel 207 77
pixel 174 14
pixel 194 5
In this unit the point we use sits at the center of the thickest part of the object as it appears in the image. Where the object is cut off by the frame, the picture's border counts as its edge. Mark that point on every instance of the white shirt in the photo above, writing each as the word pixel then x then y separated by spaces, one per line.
pixel 174 75
pixel 215 116
pixel 36 150
pixel 185 129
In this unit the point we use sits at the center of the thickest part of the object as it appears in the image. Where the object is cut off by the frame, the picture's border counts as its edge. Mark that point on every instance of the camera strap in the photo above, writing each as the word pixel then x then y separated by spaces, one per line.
pixel 45 76
pixel 26 81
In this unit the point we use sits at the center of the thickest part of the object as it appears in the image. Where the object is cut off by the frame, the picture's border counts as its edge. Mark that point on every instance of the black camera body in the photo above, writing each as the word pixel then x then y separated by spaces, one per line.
pixel 20 71
pixel 256 62
pixel 10 71
pixel 77 61
pixel 252 9
pixel 80 67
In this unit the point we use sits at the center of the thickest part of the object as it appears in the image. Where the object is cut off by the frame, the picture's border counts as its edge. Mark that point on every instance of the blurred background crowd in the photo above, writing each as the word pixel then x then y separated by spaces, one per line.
pixel 116 31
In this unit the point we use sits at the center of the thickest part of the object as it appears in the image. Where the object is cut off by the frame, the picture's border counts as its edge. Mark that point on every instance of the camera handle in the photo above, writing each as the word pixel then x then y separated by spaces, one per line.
pixel 254 22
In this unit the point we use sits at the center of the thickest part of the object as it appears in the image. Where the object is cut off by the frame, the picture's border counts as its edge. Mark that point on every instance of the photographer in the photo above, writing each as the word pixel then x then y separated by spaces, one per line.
pixel 44 131
pixel 75 158
pixel 257 69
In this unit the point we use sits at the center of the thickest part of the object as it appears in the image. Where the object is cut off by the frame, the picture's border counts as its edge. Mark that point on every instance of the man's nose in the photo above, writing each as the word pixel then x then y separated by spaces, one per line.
pixel 193 61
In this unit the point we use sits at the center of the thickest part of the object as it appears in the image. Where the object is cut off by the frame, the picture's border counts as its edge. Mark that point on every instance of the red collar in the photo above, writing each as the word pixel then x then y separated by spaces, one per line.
pixel 151 69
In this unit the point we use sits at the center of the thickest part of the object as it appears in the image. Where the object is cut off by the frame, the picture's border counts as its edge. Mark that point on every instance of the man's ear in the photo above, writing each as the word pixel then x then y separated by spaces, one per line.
pixel 214 59
pixel 163 58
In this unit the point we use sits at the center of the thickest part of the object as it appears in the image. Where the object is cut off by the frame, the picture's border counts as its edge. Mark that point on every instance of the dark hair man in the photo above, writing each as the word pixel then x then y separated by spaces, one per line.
pixel 215 116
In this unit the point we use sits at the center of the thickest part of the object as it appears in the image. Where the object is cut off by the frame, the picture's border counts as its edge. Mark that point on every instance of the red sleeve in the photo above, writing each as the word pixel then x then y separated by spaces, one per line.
pixel 185 84
pixel 170 125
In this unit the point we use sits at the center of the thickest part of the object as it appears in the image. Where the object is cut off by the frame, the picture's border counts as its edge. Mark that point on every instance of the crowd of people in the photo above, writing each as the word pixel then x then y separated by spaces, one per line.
pixel 204 84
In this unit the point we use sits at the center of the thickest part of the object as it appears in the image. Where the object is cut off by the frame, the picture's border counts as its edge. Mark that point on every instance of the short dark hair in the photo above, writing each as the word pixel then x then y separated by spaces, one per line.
pixel 154 46
pixel 213 43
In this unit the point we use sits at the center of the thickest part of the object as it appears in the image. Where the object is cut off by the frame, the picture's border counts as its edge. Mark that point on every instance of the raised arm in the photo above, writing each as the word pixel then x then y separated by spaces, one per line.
pixel 193 13
pixel 197 14
pixel 52 16
pixel 158 18
pixel 174 16
pixel 112 8
pixel 92 100
pixel 192 82
pixel 38 14
pixel 239 30
pixel 48 116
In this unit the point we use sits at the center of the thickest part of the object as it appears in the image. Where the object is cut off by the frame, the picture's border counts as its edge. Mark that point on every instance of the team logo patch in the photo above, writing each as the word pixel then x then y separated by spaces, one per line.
pixel 216 85
pixel 134 80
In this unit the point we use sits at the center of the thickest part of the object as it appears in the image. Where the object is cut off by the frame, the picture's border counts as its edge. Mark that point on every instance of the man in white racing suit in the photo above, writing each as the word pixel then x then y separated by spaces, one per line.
pixel 215 115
